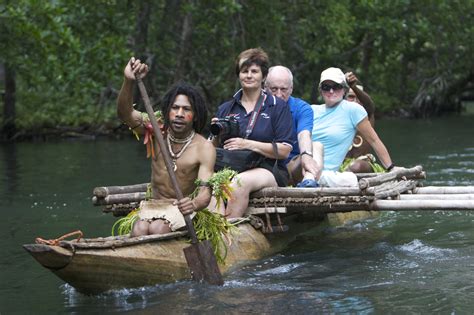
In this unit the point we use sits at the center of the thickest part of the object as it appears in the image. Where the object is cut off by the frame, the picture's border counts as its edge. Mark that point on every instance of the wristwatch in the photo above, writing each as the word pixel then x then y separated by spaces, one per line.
pixel 390 167
pixel 306 152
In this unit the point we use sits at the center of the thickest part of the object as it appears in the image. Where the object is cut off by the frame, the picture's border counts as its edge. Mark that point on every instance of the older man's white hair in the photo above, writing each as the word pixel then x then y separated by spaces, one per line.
pixel 280 69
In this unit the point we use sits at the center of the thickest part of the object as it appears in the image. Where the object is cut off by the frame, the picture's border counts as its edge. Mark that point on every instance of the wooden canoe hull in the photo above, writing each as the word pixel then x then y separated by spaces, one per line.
pixel 101 265
pixel 95 270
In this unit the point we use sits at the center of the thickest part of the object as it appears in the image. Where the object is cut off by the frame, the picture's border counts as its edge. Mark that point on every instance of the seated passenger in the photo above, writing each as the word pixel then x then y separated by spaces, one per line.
pixel 272 123
pixel 335 125
pixel 304 171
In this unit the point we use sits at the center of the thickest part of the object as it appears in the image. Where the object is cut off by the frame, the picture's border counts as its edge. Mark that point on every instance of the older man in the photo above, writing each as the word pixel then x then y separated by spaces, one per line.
pixel 303 169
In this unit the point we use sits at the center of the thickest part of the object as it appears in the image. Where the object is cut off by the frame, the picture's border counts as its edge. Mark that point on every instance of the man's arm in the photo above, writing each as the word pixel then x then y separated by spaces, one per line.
pixel 125 111
pixel 366 101
pixel 364 98
pixel 207 158
pixel 312 164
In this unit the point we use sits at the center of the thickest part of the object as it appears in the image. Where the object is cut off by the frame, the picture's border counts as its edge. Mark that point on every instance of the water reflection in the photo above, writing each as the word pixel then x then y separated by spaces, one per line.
pixel 10 171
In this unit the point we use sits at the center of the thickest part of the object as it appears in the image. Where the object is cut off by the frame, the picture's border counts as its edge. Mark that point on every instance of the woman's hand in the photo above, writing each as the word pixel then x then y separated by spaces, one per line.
pixel 396 168
pixel 236 144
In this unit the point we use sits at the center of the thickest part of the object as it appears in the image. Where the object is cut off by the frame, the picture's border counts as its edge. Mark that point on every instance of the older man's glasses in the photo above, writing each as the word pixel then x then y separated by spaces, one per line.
pixel 327 87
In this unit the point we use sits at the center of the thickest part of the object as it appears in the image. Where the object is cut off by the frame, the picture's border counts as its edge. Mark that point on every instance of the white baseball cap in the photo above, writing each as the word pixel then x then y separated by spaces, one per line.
pixel 335 75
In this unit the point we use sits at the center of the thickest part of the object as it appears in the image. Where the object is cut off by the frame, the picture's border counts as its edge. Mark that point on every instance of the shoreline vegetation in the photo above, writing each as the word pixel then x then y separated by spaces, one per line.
pixel 57 69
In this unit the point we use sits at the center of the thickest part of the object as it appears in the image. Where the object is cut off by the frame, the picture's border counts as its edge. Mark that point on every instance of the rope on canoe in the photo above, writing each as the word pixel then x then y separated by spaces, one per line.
pixel 55 242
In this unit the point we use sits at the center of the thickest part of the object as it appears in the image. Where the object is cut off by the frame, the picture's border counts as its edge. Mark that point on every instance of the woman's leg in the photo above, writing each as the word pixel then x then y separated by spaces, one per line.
pixel 244 184
pixel 295 171
pixel 215 206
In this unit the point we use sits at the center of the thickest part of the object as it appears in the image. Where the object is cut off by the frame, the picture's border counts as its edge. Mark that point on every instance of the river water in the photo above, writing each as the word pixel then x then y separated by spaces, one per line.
pixel 398 262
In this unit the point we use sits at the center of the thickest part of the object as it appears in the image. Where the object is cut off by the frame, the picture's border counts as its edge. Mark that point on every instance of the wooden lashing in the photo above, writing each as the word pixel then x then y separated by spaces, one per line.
pixel 268 228
pixel 55 242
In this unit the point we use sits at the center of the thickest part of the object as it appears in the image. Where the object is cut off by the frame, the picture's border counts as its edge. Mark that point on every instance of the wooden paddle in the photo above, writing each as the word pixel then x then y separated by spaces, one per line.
pixel 200 255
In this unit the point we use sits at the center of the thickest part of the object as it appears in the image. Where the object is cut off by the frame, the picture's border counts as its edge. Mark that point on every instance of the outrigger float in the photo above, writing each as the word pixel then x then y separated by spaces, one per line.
pixel 95 265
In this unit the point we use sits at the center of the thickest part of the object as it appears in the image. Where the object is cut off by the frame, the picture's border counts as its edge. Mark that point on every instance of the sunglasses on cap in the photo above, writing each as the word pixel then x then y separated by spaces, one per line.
pixel 327 87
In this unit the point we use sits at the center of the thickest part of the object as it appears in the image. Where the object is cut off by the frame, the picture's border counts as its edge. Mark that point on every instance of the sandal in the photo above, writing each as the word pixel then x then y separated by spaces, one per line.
pixel 307 183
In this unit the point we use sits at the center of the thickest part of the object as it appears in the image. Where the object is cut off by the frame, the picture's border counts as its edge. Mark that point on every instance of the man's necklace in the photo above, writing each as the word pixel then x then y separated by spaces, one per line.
pixel 187 141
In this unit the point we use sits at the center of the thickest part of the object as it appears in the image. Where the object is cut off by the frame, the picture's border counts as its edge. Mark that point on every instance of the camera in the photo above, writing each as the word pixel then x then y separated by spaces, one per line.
pixel 227 127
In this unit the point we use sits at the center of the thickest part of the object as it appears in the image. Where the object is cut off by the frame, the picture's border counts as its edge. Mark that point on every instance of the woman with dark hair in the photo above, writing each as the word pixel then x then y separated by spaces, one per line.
pixel 184 114
pixel 264 121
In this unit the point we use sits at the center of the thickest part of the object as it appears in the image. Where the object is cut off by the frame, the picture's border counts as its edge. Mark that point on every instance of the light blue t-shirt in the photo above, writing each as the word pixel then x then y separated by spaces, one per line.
pixel 335 127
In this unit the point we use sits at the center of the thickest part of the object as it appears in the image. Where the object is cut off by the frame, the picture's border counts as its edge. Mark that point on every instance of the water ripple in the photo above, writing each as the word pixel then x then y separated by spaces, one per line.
pixel 419 249
pixel 279 270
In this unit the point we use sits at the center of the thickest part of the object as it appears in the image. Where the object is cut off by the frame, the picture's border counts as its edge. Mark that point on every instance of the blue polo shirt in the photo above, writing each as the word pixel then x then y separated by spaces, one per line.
pixel 274 123
pixel 302 114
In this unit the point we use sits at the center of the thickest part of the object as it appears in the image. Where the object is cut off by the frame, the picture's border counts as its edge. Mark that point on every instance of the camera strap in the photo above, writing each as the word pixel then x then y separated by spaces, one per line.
pixel 256 111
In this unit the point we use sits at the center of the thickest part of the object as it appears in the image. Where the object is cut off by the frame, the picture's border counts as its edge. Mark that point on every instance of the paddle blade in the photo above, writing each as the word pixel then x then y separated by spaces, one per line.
pixel 203 264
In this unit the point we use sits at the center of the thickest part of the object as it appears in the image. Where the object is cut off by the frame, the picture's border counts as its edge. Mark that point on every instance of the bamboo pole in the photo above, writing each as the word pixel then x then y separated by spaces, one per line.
pixel 391 189
pixel 436 197
pixel 365 183
pixel 104 191
pixel 306 205
pixel 120 210
pixel 305 192
pixel 421 175
pixel 118 198
pixel 444 190
pixel 332 207
pixel 407 205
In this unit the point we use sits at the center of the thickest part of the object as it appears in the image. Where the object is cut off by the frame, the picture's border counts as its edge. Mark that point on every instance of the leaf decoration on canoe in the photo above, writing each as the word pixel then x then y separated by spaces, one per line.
pixel 214 227
pixel 124 225
pixel 221 186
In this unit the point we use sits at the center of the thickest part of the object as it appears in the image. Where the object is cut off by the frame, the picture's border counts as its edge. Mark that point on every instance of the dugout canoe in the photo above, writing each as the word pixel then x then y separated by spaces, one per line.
pixel 101 264
pixel 97 265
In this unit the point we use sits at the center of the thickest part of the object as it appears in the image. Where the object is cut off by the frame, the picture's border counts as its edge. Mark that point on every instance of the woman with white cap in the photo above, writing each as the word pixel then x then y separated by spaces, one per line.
pixel 335 125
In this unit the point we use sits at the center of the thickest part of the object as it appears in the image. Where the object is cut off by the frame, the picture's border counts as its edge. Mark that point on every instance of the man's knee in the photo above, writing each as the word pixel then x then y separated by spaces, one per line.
pixel 359 166
pixel 159 227
pixel 139 228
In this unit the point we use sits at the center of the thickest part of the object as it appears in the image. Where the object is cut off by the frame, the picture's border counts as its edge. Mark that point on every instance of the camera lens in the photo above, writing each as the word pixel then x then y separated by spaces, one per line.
pixel 216 128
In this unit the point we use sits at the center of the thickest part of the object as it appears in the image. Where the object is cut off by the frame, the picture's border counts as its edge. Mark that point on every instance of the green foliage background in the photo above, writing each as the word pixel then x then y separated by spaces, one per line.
pixel 68 56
